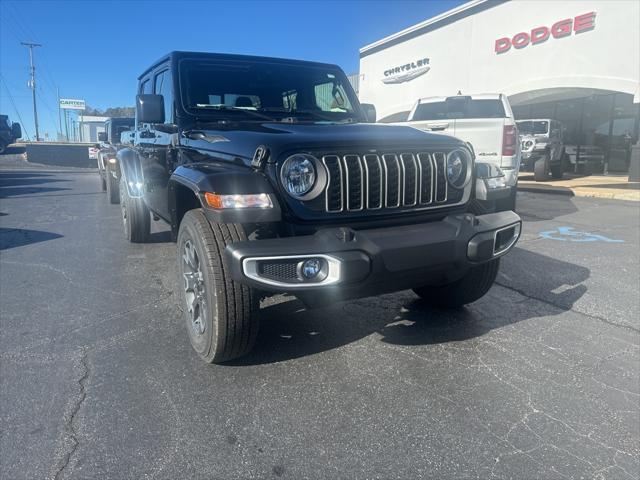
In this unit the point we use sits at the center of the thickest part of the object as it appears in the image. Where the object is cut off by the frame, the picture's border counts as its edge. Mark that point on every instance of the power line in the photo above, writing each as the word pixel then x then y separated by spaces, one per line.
pixel 19 27
pixel 14 106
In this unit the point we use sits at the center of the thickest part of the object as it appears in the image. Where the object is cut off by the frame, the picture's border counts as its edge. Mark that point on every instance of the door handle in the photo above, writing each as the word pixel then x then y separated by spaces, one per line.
pixel 193 134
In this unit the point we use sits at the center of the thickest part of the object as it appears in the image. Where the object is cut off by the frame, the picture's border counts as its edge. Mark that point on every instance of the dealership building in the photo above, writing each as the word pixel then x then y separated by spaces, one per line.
pixel 574 61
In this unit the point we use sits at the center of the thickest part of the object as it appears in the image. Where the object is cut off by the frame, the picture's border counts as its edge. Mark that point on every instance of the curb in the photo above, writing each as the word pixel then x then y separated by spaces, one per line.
pixel 579 192
pixel 567 192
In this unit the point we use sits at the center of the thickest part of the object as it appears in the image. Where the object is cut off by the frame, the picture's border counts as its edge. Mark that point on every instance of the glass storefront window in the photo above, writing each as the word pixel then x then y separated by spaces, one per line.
pixel 603 126
pixel 595 122
pixel 569 113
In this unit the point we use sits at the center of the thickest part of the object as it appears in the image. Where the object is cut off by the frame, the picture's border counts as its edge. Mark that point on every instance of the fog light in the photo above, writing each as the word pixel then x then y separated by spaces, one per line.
pixel 311 268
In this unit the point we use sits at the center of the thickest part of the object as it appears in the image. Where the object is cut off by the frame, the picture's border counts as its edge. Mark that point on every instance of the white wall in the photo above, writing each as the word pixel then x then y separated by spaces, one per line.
pixel 462 55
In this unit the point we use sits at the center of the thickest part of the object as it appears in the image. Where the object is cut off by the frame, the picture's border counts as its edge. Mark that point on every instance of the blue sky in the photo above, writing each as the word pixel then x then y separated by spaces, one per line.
pixel 94 50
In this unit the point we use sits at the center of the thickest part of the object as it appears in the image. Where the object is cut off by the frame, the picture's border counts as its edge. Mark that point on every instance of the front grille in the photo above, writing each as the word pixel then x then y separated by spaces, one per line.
pixel 389 180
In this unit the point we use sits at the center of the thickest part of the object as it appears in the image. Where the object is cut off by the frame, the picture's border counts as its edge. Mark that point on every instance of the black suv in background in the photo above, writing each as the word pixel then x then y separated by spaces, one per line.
pixel 110 142
pixel 273 180
pixel 9 132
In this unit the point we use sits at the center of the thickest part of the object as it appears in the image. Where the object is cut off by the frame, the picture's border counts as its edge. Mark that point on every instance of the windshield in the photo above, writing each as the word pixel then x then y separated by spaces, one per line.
pixel 460 107
pixel 240 90
pixel 121 125
pixel 533 127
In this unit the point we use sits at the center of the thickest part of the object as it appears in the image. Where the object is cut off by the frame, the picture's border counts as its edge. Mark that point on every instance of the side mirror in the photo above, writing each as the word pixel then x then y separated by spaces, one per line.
pixel 102 136
pixel 16 131
pixel 369 112
pixel 150 108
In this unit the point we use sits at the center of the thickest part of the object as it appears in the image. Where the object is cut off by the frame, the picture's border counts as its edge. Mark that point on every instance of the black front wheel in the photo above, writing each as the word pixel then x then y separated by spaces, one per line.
pixel 220 314
pixel 136 217
pixel 473 286
pixel 3 147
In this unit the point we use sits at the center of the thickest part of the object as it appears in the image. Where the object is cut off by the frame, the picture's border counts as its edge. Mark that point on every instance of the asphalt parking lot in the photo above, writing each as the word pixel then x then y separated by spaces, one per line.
pixel 539 379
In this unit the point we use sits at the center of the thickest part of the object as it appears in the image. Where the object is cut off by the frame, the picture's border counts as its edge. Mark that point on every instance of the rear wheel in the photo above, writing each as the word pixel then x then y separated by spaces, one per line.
pixel 220 314
pixel 113 190
pixel 541 169
pixel 3 147
pixel 473 286
pixel 135 216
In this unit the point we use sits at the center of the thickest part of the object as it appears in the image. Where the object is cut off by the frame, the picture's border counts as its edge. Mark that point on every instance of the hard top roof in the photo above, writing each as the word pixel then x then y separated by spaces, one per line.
pixel 177 55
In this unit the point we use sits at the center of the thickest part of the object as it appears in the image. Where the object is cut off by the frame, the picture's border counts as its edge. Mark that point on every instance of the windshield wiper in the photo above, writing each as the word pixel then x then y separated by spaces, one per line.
pixel 315 113
pixel 253 113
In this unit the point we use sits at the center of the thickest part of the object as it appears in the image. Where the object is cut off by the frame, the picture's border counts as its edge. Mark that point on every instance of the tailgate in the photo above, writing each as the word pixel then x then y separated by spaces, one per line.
pixel 433 126
pixel 485 134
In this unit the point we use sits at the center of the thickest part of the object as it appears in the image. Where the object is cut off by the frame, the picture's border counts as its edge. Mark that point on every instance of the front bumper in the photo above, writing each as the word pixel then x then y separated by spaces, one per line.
pixel 369 262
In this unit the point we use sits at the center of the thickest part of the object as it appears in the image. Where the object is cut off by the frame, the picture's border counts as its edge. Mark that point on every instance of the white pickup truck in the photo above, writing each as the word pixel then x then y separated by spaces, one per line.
pixel 484 121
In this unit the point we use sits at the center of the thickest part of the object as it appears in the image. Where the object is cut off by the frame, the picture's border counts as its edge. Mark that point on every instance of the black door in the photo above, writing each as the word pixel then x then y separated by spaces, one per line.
pixel 159 155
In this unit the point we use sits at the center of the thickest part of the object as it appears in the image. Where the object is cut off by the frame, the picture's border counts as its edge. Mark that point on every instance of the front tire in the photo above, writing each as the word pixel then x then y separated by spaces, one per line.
pixel 473 286
pixel 220 314
pixel 135 216
pixel 3 147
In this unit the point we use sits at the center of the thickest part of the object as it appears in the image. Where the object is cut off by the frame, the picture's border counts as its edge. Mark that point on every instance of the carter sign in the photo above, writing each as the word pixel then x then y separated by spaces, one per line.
pixel 562 28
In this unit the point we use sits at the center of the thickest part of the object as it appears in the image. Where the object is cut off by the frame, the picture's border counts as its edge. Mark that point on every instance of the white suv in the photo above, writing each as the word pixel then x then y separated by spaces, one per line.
pixel 485 121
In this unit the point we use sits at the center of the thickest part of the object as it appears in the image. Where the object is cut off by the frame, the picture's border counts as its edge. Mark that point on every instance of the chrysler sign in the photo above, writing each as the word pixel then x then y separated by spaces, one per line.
pixel 561 28
pixel 406 72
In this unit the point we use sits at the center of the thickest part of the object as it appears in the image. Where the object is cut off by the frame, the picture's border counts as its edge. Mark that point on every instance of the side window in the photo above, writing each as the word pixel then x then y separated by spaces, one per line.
pixel 145 86
pixel 163 87
pixel 331 97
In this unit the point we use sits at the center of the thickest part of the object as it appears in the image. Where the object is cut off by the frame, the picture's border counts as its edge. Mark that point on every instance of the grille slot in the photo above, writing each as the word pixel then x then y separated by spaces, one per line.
pixel 333 192
pixel 392 180
pixel 375 179
pixel 440 177
pixel 409 179
pixel 371 181
pixel 355 182
pixel 426 177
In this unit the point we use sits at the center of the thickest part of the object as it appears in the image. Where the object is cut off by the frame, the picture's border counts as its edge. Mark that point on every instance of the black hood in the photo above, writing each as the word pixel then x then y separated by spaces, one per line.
pixel 242 139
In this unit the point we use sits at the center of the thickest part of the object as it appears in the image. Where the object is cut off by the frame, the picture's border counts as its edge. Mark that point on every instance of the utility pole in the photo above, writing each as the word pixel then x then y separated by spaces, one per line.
pixel 32 83
pixel 59 115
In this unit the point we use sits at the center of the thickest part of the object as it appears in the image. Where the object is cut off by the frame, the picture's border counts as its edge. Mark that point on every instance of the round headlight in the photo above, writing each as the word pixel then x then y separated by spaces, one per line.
pixel 457 168
pixel 298 174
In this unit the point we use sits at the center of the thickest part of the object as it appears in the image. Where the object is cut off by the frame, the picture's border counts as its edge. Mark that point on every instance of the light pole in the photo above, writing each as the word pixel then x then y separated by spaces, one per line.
pixel 32 83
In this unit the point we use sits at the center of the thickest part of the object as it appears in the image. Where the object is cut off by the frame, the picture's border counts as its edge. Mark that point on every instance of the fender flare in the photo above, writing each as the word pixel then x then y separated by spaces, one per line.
pixel 131 172
pixel 224 180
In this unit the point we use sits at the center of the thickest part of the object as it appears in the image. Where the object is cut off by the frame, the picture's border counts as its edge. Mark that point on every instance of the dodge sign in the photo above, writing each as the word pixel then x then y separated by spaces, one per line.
pixel 562 28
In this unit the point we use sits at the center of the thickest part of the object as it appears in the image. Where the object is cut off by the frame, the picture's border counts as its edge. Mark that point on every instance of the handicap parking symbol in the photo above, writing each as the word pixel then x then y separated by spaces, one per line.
pixel 565 234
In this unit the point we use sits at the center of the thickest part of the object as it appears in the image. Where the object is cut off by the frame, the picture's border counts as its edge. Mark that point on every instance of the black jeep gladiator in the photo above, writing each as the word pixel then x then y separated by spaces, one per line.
pixel 9 132
pixel 110 142
pixel 272 180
